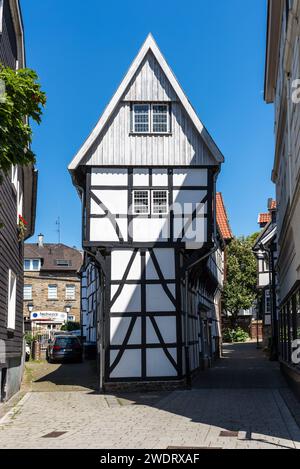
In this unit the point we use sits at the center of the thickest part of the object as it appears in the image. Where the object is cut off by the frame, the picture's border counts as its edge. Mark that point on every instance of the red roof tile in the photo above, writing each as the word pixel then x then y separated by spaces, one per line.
pixel 264 218
pixel 222 218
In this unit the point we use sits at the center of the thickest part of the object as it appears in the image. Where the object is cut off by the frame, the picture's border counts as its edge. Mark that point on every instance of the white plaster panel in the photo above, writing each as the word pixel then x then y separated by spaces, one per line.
pixel 119 328
pixel 159 365
pixel 150 230
pixel 166 261
pixel 109 177
pixel 190 177
pixel 141 177
pixel 130 365
pixel 119 262
pixel 96 209
pixel 157 299
pixel 128 301
pixel 167 327
pixel 115 201
pixel 159 178
pixel 102 230
pixel 188 200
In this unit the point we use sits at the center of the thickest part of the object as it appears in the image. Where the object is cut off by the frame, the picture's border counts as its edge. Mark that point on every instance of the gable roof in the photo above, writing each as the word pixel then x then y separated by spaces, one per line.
pixel 149 45
pixel 50 253
pixel 222 218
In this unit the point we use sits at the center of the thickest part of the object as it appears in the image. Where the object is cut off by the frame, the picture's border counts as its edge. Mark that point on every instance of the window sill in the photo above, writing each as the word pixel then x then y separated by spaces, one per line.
pixel 150 134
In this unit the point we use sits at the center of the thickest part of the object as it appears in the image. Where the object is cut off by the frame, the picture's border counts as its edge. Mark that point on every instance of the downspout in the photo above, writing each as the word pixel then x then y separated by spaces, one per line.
pixel 289 140
pixel 186 303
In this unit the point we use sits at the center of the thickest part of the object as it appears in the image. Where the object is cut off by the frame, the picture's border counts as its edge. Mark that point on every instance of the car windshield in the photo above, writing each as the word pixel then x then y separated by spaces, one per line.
pixel 66 342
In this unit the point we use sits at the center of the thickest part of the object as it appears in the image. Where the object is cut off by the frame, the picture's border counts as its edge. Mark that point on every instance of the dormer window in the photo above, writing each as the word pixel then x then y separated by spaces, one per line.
pixel 33 265
pixel 151 119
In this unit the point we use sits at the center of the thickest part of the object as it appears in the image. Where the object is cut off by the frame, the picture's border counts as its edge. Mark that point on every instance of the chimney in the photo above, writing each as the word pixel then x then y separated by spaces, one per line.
pixel 41 240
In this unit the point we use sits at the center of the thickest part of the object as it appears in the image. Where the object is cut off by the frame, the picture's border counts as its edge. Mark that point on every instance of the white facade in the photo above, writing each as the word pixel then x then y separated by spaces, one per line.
pixel 147 175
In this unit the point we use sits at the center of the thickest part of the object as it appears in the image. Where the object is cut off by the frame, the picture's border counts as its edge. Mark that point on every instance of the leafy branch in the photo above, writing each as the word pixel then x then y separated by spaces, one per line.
pixel 21 100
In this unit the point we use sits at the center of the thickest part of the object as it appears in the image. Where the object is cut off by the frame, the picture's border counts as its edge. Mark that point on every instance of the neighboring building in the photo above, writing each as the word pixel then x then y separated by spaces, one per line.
pixel 282 89
pixel 17 197
pixel 265 250
pixel 51 286
pixel 147 177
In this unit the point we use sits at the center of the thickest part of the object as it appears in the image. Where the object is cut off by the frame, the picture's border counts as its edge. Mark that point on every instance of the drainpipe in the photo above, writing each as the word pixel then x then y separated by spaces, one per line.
pixel 289 139
pixel 186 305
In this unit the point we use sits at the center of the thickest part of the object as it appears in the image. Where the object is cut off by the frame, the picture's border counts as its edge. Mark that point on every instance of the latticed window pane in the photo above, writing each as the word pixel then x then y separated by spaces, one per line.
pixel 52 292
pixel 70 292
pixel 160 116
pixel 141 202
pixel 27 292
pixel 141 118
pixel 160 203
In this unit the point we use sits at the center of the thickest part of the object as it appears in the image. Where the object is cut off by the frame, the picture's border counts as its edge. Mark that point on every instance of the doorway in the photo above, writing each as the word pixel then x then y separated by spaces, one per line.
pixel 3 390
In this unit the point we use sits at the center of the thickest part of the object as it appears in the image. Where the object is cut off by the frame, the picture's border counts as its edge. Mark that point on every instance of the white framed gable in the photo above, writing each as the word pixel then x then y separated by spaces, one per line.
pixel 111 142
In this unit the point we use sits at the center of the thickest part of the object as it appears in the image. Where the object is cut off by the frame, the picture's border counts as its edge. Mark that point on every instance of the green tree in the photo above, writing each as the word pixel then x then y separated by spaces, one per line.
pixel 240 289
pixel 21 99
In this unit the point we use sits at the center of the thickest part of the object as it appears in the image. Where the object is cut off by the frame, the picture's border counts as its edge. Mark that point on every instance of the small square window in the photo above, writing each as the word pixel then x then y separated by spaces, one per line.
pixel 160 202
pixel 141 203
pixel 27 292
pixel 52 292
pixel 70 292
pixel 141 120
pixel 160 118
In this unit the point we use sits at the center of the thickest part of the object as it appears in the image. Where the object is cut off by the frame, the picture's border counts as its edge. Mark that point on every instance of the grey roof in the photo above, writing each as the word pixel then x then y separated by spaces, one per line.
pixel 51 253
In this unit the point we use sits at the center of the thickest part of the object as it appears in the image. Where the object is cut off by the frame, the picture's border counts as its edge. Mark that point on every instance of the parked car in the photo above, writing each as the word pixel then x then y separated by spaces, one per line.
pixel 64 348
pixel 27 352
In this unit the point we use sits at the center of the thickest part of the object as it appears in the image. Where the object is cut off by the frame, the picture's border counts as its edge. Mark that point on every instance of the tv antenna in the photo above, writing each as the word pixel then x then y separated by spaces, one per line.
pixel 58 229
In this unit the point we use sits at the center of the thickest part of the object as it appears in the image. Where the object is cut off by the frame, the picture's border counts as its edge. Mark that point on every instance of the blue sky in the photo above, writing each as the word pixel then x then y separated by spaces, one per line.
pixel 81 51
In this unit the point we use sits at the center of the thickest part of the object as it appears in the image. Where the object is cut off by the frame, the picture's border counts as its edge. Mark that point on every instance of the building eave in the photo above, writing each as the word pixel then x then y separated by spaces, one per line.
pixel 275 8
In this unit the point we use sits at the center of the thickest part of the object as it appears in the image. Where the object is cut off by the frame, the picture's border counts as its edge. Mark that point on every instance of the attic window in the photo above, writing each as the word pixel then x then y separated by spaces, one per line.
pixel 63 263
pixel 151 118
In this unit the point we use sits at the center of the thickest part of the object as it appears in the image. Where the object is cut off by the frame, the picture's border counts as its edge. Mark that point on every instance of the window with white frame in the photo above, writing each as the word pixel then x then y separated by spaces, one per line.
pixel 52 292
pixel 32 265
pixel 27 292
pixel 141 118
pixel 12 299
pixel 151 118
pixel 141 202
pixel 71 318
pixel 70 292
pixel 160 118
pixel 14 177
pixel 19 201
pixel 160 202
pixel 147 202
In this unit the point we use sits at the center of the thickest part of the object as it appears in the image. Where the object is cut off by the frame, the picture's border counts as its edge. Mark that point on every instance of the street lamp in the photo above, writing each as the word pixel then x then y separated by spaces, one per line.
pixel 68 310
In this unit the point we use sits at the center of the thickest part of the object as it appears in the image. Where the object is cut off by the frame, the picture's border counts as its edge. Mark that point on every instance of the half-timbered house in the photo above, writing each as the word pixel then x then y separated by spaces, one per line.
pixel 17 197
pixel 147 180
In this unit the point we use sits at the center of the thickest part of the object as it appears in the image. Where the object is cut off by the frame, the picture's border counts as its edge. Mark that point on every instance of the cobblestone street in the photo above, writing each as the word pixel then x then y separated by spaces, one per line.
pixel 244 395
